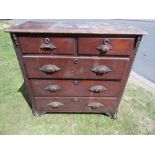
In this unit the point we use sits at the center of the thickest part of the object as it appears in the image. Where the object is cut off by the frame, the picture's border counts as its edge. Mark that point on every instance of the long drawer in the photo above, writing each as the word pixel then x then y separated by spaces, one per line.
pixel 60 88
pixel 75 67
pixel 77 104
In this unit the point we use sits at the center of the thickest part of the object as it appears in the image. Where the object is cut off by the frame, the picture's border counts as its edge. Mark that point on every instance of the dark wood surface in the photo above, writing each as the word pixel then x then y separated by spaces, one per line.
pixel 75 88
pixel 71 50
pixel 120 46
pixel 70 70
pixel 31 44
pixel 131 60
pixel 75 28
pixel 23 70
pixel 76 104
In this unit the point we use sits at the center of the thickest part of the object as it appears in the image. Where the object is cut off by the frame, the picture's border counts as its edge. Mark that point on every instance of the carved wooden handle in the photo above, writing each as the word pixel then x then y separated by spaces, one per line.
pixel 49 68
pixel 97 89
pixel 47 45
pixel 52 88
pixel 95 105
pixel 101 69
pixel 105 47
pixel 55 104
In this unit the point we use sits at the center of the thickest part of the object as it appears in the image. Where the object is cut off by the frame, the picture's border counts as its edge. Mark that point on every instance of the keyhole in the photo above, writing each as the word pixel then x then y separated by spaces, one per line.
pixel 76 61
pixel 76 82
pixel 105 41
pixel 47 40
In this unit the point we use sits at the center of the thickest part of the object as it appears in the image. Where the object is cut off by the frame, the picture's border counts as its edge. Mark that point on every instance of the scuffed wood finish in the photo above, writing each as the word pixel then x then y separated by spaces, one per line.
pixel 32 44
pixel 120 46
pixel 75 28
pixel 22 67
pixel 71 88
pixel 76 104
pixel 69 69
pixel 75 67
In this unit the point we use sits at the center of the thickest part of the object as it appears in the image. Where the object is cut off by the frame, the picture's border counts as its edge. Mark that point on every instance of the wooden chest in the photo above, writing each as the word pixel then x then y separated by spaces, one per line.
pixel 75 67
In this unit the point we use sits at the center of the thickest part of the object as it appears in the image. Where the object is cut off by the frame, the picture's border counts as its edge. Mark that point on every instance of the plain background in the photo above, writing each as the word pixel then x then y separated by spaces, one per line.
pixel 79 9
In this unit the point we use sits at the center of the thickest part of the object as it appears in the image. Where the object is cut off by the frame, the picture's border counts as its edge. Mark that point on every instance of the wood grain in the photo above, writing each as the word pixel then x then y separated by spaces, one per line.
pixel 70 70
pixel 76 104
pixel 31 44
pixel 75 28
pixel 120 46
pixel 70 88
pixel 68 64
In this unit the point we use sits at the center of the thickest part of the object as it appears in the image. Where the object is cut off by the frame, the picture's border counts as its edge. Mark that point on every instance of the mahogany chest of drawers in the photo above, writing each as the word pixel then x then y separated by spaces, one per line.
pixel 75 67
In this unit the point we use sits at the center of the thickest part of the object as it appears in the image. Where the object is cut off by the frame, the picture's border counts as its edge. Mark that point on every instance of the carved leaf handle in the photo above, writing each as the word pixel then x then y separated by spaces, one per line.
pixel 95 105
pixel 105 47
pixel 52 88
pixel 101 69
pixel 47 45
pixel 49 68
pixel 97 89
pixel 55 104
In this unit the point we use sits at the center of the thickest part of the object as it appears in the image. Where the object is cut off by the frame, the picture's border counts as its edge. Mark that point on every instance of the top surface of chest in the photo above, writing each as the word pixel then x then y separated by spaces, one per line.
pixel 75 28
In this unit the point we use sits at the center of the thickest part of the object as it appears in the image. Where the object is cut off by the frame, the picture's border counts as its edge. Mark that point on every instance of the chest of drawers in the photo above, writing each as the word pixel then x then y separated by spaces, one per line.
pixel 75 67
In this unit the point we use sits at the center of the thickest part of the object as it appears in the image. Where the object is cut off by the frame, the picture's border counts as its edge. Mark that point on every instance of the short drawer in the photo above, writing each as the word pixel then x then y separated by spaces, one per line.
pixel 76 104
pixel 75 68
pixel 47 45
pixel 58 88
pixel 105 46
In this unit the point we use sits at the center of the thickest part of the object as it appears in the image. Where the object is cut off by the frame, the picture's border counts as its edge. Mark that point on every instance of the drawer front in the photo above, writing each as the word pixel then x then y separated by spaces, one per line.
pixel 77 104
pixel 75 68
pixel 56 88
pixel 103 46
pixel 47 45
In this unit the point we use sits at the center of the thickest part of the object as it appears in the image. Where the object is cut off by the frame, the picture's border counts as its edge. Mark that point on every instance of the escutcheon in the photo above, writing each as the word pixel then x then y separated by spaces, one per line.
pixel 105 47
pixel 47 45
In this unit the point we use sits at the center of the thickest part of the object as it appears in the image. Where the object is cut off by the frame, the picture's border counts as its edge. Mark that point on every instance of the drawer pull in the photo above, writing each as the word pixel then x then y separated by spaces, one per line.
pixel 105 47
pixel 49 68
pixel 55 104
pixel 101 69
pixel 95 105
pixel 52 88
pixel 97 89
pixel 47 45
